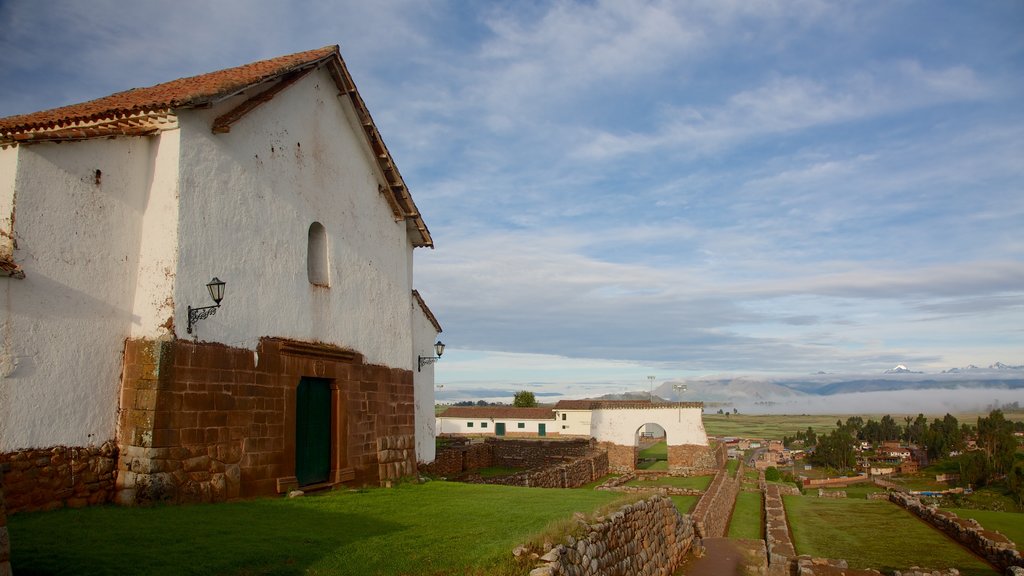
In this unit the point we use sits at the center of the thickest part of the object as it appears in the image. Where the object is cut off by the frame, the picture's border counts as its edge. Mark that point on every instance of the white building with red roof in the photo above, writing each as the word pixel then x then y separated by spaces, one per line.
pixel 115 216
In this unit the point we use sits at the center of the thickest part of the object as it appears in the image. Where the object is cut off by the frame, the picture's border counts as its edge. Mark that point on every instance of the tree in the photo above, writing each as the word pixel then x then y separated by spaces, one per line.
pixel 772 474
pixel 995 436
pixel 524 399
pixel 974 468
pixel 1015 482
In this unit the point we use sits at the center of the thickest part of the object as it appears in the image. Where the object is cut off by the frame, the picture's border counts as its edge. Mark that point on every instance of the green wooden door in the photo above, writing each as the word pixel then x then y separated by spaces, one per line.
pixel 499 429
pixel 542 429
pixel 313 431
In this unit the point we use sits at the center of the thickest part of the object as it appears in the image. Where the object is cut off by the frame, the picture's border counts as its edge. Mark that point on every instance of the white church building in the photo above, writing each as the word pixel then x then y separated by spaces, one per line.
pixel 266 186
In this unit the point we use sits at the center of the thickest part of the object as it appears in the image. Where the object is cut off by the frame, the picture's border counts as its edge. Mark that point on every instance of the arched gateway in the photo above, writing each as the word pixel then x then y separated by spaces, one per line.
pixel 614 425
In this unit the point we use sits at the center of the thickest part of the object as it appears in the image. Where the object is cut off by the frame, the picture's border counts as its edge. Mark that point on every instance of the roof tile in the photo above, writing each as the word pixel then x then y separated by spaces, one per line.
pixel 181 93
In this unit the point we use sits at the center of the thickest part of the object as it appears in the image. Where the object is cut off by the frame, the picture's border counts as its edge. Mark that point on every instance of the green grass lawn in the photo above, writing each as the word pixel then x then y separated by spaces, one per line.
pixel 433 529
pixel 853 490
pixel 659 452
pixel 746 517
pixel 1009 524
pixel 685 504
pixel 874 534
pixel 732 466
pixel 694 482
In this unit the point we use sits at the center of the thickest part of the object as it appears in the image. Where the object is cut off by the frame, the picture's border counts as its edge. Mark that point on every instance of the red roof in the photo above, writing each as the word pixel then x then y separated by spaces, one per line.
pixel 119 115
pixel 181 93
pixel 613 404
pixel 505 412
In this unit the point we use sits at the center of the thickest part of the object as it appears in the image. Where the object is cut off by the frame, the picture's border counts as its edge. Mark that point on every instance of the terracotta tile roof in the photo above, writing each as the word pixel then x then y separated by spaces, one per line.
pixel 181 93
pixel 504 412
pixel 621 404
pixel 143 111
pixel 426 310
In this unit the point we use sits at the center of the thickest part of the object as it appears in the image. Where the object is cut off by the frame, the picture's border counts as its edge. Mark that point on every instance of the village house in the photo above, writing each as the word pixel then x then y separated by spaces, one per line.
pixel 208 293
pixel 496 421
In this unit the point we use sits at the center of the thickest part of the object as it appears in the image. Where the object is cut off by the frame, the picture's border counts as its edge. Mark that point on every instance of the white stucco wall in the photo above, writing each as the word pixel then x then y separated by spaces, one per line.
pixel 620 426
pixel 575 423
pixel 8 164
pixel 247 199
pixel 424 335
pixel 63 327
pixel 448 425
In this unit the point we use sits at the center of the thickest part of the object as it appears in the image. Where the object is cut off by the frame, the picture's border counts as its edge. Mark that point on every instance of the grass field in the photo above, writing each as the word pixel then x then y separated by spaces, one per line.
pixel 695 482
pixel 659 452
pixel 775 426
pixel 874 534
pixel 1009 524
pixel 431 529
pixel 732 466
pixel 746 517
pixel 685 504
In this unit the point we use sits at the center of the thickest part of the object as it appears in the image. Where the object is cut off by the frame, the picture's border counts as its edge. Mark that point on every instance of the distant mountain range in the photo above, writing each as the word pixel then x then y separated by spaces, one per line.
pixel 747 390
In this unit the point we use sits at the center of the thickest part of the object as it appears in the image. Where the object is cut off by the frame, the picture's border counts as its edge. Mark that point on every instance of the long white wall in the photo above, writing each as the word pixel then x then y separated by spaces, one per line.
pixel 478 425
pixel 247 199
pixel 682 425
pixel 424 335
pixel 78 224
pixel 573 422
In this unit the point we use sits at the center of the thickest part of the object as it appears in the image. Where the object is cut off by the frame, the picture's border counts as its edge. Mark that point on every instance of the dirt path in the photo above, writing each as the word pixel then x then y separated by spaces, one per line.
pixel 726 557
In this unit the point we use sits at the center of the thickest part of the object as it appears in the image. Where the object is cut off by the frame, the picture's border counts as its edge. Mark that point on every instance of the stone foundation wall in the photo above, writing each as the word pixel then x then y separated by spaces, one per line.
pixel 620 458
pixel 647 537
pixel 396 458
pixel 992 546
pixel 459 458
pixel 50 478
pixel 714 510
pixel 568 475
pixel 690 458
pixel 5 540
pixel 780 544
pixel 204 422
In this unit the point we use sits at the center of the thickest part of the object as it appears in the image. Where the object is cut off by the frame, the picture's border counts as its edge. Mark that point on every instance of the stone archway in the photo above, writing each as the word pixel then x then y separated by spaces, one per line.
pixel 651 443
pixel 615 427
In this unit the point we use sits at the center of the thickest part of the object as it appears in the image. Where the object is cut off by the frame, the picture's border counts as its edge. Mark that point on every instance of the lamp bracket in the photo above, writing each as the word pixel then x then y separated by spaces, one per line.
pixel 201 313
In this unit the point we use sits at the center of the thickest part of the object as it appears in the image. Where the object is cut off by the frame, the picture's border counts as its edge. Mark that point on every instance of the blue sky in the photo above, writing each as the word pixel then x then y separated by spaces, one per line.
pixel 623 188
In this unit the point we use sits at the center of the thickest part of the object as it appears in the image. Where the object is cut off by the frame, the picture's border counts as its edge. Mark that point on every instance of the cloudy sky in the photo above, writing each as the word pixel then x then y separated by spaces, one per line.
pixel 623 188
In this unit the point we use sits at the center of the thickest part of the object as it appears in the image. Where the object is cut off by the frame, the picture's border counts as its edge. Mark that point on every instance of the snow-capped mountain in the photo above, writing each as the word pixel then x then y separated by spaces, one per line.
pixel 900 369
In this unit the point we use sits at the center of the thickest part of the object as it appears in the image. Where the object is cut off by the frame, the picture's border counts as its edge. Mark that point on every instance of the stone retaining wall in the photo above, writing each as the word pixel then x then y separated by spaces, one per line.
pixel 992 546
pixel 647 537
pixel 5 540
pixel 841 481
pixel 780 544
pixel 822 493
pixel 462 457
pixel 537 453
pixel 50 478
pixel 568 475
pixel 713 511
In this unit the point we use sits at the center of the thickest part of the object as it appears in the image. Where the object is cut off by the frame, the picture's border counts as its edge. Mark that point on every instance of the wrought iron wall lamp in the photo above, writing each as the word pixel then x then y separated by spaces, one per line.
pixel 216 288
pixel 424 360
